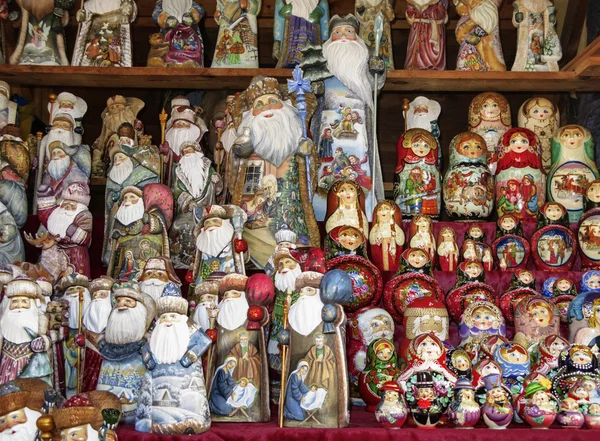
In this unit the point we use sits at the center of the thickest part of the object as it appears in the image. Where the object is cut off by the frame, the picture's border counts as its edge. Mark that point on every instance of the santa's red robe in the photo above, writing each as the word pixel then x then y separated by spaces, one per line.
pixel 426 42
pixel 92 362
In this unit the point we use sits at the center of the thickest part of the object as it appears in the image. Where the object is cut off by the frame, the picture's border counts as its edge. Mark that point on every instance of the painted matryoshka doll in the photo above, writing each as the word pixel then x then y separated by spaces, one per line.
pixel 514 361
pixel 345 203
pixel 391 413
pixel 588 229
pixel 381 367
pixel 464 412
pixel 584 318
pixel 470 287
pixel 573 168
pixel 489 117
pixel 548 287
pixel 422 316
pixel 592 417
pixel 447 249
pixel 522 279
pixel 520 178
pixel 426 406
pixel 498 410
pixel 541 116
pixel 541 406
pixel 346 240
pixel 483 368
pixel 535 319
pixel 468 183
pixel 590 281
pixel 548 353
pixel 386 238
pixel 488 347
pixel 460 363
pixel 564 291
pixel 510 249
pixel 554 244
pixel 421 235
pixel 570 415
pixel 479 321
pixel 417 183
pixel 578 364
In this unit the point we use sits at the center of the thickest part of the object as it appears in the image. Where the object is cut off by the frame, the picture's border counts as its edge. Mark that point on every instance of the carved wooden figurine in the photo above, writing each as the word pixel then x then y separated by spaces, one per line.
pixel 427 38
pixel 386 238
pixel 366 11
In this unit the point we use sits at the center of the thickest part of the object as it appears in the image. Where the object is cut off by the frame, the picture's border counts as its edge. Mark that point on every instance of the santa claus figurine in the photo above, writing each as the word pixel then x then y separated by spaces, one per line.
pixel 207 294
pixel 21 403
pixel 157 275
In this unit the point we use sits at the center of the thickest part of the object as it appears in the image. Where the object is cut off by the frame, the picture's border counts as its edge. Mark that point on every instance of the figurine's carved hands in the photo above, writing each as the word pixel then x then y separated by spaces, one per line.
pixel 480 32
pixel 376 65
pixel 81 16
pixel 172 22
pixel 187 19
pixel 188 359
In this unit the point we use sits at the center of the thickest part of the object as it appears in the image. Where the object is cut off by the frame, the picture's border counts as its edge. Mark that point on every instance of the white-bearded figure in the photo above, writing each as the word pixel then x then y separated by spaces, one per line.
pixel 21 404
pixel 206 299
pixel 118 110
pixel 159 277
pixel 173 357
pixel 344 115
pixel 74 106
pixel 104 38
pixel 123 369
pixel 423 113
pixel 274 183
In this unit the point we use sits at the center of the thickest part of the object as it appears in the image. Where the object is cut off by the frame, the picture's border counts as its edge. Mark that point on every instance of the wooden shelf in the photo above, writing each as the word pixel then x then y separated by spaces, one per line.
pixel 238 79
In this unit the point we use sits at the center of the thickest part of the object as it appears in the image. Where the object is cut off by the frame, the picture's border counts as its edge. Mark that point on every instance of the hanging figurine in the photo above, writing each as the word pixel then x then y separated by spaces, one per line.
pixel 538 44
pixel 554 244
pixel 104 36
pixel 510 249
pixel 541 116
pixel 427 38
pixel 386 237
pixel 366 11
pixel 237 40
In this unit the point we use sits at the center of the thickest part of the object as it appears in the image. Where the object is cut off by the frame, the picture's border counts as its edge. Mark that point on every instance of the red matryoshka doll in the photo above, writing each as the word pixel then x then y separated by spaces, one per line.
pixel 447 249
pixel 547 360
pixel 542 116
pixel 417 186
pixel 421 235
pixel 346 240
pixel 520 178
pixel 535 319
pixel 470 287
pixel 588 229
pixel 510 249
pixel 345 207
pixel 564 291
pixel 381 367
pixel 483 368
pixel 386 238
pixel 479 321
pixel 422 316
pixel 554 244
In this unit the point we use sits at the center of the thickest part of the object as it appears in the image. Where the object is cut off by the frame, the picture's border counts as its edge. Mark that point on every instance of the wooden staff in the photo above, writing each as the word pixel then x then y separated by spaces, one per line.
pixel 39 136
pixel 163 128
pixel 378 30
pixel 79 331
pixel 405 109
pixel 284 354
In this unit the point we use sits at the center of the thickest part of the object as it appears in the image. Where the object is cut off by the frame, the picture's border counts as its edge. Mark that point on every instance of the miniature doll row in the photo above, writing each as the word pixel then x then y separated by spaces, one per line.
pixel 104 36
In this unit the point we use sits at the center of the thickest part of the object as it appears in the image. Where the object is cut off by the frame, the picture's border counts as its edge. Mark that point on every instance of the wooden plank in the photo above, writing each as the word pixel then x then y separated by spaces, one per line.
pixel 584 60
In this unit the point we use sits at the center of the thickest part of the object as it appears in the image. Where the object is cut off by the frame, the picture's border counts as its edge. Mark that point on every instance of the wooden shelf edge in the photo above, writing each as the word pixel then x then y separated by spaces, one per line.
pixel 587 61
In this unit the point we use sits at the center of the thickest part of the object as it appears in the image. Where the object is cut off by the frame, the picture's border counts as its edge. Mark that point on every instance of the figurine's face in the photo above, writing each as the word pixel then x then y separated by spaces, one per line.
pixel 540 398
pixel 350 238
pixel 471 148
pixel 342 33
pixel 384 213
pixel 207 298
pixel 473 269
pixel 230 365
pixel 519 143
pixel 594 409
pixel 423 224
pixel 425 393
pixel 266 103
pixel 19 303
pixel 158 274
pixel 212 223
pixel 421 148
pixel 497 394
pixel 581 392
pixel 447 236
pixel 120 158
pixel 483 318
pixel 308 291
pixel 569 404
pixel 461 363
pixel 581 357
pixel 232 294
pixel 124 303
pixel 525 277
pixel 541 315
pixel 68 205
pixel 169 319
pixel 116 108
pixel 12 419
pixel 430 324
pixel 303 370
pixel 391 396
pixel 594 282
pixel 490 109
pixel 490 368
pixel 385 353
pixel 244 339
pixel 564 284
pixel 101 294
pixel 319 341
pixel 269 189
pixel 130 199
pixel 61 124
pixel 243 382
pixel 572 137
pixel 590 385
pixel 554 212
pixel 58 153
pixel 428 349
pixel 542 111
pixel 515 357
pixel 182 124
pixel 379 324
pixel 417 258
pixel 475 232
pixel 347 193
pixel 508 223
pixel 557 347
pixel 468 395
pixel 593 192
pixel 74 291
pixel 286 264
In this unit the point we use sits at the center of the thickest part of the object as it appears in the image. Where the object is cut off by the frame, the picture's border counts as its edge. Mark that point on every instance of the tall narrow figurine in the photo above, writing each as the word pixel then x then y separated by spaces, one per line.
pixel 366 11
pixel 427 38
pixel 542 117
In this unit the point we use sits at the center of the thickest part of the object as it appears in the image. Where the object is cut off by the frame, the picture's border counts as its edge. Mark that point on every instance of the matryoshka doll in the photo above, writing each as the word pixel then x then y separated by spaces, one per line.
pixel 535 319
pixel 514 361
pixel 498 410
pixel 548 353
pixel 541 116
pixel 520 178
pixel 345 203
pixel 346 240
pixel 488 346
pixel 570 415
pixel 573 168
pixel 386 238
pixel 578 363
pixel 584 318
pixel 548 287
pixel 510 249
pixel 541 406
pixel 391 413
pixel 554 244
pixel 564 292
pixel 426 407
pixel 592 417
pixel 381 367
pixel 470 287
pixel 460 363
pixel 590 281
pixel 482 369
pixel 588 229
pixel 421 235
pixel 447 249
pixel 417 186
pixel 422 316
pixel 468 183
pixel 479 321
pixel 464 412
pixel 428 353
pixel 476 233
pixel 489 117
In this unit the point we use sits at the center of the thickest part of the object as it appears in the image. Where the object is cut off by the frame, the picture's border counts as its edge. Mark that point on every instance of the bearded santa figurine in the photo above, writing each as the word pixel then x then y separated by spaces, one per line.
pixel 217 247
pixel 69 104
pixel 195 186
pixel 286 239
pixel 21 403
pixel 271 135
pixel 118 111
pixel 95 319
pixel 174 352
pixel 207 293
pixel 92 416
pixel 71 221
pixel 347 70
pixel 427 38
pixel 123 369
pixel 140 229
pixel 23 342
pixel 8 108
pixel 157 276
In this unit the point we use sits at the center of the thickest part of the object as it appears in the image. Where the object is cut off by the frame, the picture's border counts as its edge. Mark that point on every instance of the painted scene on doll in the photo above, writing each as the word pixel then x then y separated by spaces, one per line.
pixel 555 247
pixel 589 237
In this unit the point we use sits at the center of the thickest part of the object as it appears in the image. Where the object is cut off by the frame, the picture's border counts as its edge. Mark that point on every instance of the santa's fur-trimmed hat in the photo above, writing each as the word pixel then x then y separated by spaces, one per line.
pixel 23 286
pixel 236 282
pixel 21 393
pixel 311 279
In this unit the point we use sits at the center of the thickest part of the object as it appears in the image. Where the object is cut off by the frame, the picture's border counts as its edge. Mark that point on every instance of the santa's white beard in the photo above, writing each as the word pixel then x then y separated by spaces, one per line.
pixel 274 138
pixel 305 314
pixel 153 287
pixel 61 135
pixel 419 121
pixel 102 6
pixel 25 431
pixel 287 281
pixel 129 214
pixel 303 8
pixel 233 312
pixel 14 322
pixel 193 169
pixel 126 326
pixel 485 15
pixel 201 317
pixel 60 219
pixel 58 167
pixel 118 173
pixel 348 61
pixel 177 8
pixel 169 343
pixel 95 317
pixel 74 307
pixel 177 136
pixel 212 242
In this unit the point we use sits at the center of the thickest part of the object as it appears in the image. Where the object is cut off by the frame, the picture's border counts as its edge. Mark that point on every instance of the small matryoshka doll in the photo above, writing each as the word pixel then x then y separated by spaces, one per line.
pixel 476 233
pixel 563 293
pixel 428 353
pixel 510 249
pixel 391 413
pixel 547 360
pixel 468 183
pixel 386 238
pixel 460 363
pixel 498 410
pixel 590 281
pixel 489 344
pixel 554 245
pixel 421 235
pixel 570 415
pixel 381 367
pixel 520 178
pixel 522 279
pixel 346 240
pixel 585 306
pixel 535 319
pixel 484 368
pixel 345 207
pixel 479 321
pixel 470 251
pixel 464 412
pixel 415 260
pixel 489 117
pixel 447 249
pixel 548 287
pixel 541 406
pixel 541 116
pixel 573 168
pixel 470 287
pixel 417 180
pixel 425 406
pixel 553 213
pixel 514 361
pixel 592 417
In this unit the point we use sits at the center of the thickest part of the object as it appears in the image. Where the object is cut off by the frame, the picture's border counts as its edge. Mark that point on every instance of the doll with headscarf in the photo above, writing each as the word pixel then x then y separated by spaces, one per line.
pixel 346 240
pixel 554 243
pixel 576 363
pixel 563 293
pixel 481 319
pixel 510 249
pixel 421 235
pixel 470 287
pixel 447 249
pixel 514 361
pixel 460 363
pixel 547 357
pixel 590 281
pixel 381 367
pixel 522 279
pixel 535 318
pixel 386 238
pixel 428 353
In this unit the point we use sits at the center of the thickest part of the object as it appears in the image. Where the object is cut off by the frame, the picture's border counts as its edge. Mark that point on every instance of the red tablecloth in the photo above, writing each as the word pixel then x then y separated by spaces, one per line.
pixel 363 427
